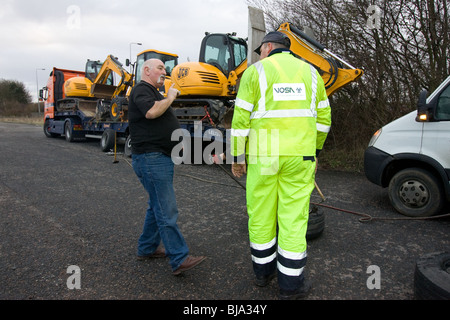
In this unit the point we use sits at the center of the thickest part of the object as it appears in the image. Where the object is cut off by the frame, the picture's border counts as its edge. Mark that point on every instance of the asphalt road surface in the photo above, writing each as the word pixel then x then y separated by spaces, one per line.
pixel 67 206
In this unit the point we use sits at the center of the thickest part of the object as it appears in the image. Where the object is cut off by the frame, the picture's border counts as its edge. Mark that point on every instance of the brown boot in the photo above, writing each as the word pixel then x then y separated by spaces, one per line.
pixel 188 264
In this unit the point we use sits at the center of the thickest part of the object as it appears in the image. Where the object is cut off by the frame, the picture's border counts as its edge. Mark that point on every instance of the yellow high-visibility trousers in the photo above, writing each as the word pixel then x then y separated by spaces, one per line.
pixel 278 193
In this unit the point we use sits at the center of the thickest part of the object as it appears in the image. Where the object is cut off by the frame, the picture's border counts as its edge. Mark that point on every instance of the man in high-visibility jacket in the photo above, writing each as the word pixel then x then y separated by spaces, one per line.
pixel 281 119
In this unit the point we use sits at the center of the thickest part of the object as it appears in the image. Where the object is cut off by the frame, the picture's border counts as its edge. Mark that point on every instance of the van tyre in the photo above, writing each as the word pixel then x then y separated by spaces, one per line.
pixel 432 277
pixel 316 223
pixel 415 192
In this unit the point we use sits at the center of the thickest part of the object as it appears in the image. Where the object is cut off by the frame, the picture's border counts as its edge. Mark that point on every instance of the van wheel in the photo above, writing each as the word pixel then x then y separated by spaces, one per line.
pixel 108 140
pixel 432 277
pixel 415 192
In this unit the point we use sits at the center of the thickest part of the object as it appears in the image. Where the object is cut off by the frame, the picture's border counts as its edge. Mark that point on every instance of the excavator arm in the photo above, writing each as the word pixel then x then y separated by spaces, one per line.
pixel 335 72
pixel 102 89
pixel 115 103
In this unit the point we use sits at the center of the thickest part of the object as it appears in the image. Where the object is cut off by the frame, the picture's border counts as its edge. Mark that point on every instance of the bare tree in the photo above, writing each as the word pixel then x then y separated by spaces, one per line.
pixel 403 46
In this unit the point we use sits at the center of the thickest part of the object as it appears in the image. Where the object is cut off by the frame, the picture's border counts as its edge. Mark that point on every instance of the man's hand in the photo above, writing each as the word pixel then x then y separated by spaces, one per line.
pixel 161 106
pixel 238 169
pixel 172 93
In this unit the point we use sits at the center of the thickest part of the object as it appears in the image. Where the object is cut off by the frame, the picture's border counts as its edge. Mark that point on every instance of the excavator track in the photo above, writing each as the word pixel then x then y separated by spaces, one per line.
pixel 215 112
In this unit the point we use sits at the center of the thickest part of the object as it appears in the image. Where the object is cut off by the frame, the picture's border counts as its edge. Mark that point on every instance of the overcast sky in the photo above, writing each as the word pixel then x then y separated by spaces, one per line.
pixel 65 33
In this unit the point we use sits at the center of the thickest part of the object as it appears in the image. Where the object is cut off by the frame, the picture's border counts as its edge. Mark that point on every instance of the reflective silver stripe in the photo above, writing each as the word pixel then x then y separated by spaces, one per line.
pixel 313 90
pixel 244 105
pixel 292 255
pixel 262 85
pixel 289 113
pixel 240 132
pixel 264 260
pixel 323 128
pixel 263 246
pixel 323 104
pixel 289 271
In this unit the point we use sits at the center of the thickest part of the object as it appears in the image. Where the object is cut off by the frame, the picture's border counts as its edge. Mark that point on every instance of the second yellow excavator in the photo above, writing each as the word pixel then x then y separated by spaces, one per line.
pixel 105 86
pixel 96 92
pixel 208 87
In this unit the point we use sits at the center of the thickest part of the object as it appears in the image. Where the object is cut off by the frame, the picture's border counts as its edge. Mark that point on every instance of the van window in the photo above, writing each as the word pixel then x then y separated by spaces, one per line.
pixel 443 107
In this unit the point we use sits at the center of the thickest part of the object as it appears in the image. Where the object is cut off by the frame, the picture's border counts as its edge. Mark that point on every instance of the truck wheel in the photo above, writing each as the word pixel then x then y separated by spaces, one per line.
pixel 107 141
pixel 68 132
pixel 46 132
pixel 415 192
pixel 316 223
pixel 432 277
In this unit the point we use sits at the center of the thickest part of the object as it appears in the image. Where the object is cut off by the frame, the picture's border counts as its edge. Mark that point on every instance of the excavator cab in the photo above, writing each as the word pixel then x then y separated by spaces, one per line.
pixel 207 87
pixel 170 61
pixel 93 67
pixel 222 60
pixel 226 52
pixel 81 86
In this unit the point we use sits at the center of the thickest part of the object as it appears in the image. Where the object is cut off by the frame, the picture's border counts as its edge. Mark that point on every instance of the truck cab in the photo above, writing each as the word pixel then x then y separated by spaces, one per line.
pixel 411 156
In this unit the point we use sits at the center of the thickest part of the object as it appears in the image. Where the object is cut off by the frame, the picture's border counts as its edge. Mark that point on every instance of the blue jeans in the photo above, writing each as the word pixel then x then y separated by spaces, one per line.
pixel 155 171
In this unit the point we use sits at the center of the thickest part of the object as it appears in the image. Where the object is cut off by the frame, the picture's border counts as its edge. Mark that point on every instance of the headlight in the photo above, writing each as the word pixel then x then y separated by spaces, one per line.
pixel 374 137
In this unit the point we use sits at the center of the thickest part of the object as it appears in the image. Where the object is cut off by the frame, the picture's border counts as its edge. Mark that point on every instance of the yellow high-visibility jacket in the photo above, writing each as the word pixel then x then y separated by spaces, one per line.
pixel 281 109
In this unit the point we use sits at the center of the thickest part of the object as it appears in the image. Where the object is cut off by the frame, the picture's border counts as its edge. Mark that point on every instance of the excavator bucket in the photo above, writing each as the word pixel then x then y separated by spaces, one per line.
pixel 102 91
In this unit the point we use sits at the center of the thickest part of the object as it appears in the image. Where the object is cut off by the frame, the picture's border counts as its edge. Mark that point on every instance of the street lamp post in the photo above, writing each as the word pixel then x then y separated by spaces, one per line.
pixel 137 43
pixel 37 86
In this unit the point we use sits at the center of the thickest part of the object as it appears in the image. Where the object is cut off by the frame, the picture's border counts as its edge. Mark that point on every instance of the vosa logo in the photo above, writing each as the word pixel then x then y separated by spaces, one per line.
pixel 289 91
pixel 182 72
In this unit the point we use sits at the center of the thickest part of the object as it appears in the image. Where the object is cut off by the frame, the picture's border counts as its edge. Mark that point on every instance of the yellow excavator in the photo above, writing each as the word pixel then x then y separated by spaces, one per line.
pixel 115 103
pixel 95 93
pixel 208 87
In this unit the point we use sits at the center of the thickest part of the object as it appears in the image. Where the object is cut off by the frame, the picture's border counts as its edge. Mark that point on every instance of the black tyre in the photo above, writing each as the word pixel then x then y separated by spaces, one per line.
pixel 68 131
pixel 415 192
pixel 316 223
pixel 108 140
pixel 432 277
pixel 117 108
pixel 46 128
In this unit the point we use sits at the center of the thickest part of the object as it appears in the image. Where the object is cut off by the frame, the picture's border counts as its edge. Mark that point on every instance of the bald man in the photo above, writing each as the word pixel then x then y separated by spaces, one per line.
pixel 152 121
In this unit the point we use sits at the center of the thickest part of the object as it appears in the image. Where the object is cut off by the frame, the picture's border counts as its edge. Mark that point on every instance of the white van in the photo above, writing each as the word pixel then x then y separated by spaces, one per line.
pixel 411 156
